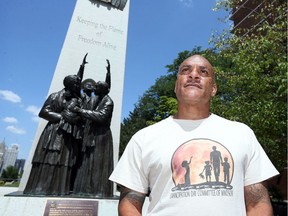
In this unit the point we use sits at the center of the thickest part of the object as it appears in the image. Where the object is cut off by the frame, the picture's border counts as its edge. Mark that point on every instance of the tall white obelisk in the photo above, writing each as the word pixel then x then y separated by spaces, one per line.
pixel 99 28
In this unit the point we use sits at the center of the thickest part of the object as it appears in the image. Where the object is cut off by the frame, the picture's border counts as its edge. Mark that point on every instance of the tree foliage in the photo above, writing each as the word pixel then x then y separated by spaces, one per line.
pixel 10 173
pixel 253 89
pixel 251 73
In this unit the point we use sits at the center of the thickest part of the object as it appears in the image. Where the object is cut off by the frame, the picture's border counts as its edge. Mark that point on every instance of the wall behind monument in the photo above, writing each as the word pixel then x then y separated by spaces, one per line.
pixel 99 29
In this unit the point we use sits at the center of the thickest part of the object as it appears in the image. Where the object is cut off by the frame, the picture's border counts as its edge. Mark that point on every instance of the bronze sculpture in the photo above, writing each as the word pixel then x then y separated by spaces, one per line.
pixel 75 151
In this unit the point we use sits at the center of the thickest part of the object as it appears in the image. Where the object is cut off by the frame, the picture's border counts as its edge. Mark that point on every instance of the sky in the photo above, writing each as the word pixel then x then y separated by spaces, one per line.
pixel 32 35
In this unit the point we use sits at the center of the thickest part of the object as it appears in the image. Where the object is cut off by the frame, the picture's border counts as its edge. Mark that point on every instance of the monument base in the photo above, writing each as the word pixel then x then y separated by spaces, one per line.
pixel 17 204
pixel 13 202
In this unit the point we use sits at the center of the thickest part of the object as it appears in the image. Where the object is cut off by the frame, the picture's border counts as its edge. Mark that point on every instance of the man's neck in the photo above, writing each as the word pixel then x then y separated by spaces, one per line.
pixel 192 113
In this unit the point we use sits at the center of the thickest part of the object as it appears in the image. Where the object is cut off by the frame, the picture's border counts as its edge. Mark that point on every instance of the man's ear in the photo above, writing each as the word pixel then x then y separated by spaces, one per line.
pixel 214 90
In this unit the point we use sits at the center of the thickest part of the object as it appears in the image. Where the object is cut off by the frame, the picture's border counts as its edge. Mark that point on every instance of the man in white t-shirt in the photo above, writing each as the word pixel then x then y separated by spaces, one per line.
pixel 195 162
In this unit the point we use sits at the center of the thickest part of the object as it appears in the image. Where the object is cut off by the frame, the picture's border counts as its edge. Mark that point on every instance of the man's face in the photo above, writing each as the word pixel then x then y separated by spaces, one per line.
pixel 195 83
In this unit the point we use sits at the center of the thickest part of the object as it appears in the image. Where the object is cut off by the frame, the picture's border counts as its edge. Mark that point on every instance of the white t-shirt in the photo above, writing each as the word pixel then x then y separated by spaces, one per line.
pixel 194 167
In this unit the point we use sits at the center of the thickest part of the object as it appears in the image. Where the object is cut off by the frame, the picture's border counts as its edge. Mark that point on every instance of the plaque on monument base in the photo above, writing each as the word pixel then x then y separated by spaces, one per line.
pixel 59 207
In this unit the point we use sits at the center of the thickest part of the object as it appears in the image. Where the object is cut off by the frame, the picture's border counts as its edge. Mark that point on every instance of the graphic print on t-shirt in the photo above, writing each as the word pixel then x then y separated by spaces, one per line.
pixel 202 164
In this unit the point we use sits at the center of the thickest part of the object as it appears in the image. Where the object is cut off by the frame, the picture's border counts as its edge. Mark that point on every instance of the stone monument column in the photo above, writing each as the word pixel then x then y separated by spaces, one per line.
pixel 99 28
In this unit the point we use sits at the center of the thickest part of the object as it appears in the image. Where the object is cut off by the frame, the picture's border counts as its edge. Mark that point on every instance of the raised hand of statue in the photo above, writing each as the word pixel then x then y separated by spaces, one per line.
pixel 108 66
pixel 108 74
pixel 84 60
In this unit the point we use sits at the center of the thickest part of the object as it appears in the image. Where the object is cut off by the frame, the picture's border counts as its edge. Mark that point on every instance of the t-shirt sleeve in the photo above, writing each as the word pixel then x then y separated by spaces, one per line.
pixel 258 166
pixel 129 170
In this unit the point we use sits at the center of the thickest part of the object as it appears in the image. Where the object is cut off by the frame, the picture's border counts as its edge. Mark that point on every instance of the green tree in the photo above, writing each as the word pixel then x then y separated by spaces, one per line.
pixel 253 89
pixel 129 126
pixel 10 173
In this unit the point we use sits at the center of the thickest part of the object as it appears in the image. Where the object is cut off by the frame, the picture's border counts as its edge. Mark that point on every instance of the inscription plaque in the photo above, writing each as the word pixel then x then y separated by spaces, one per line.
pixel 71 208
